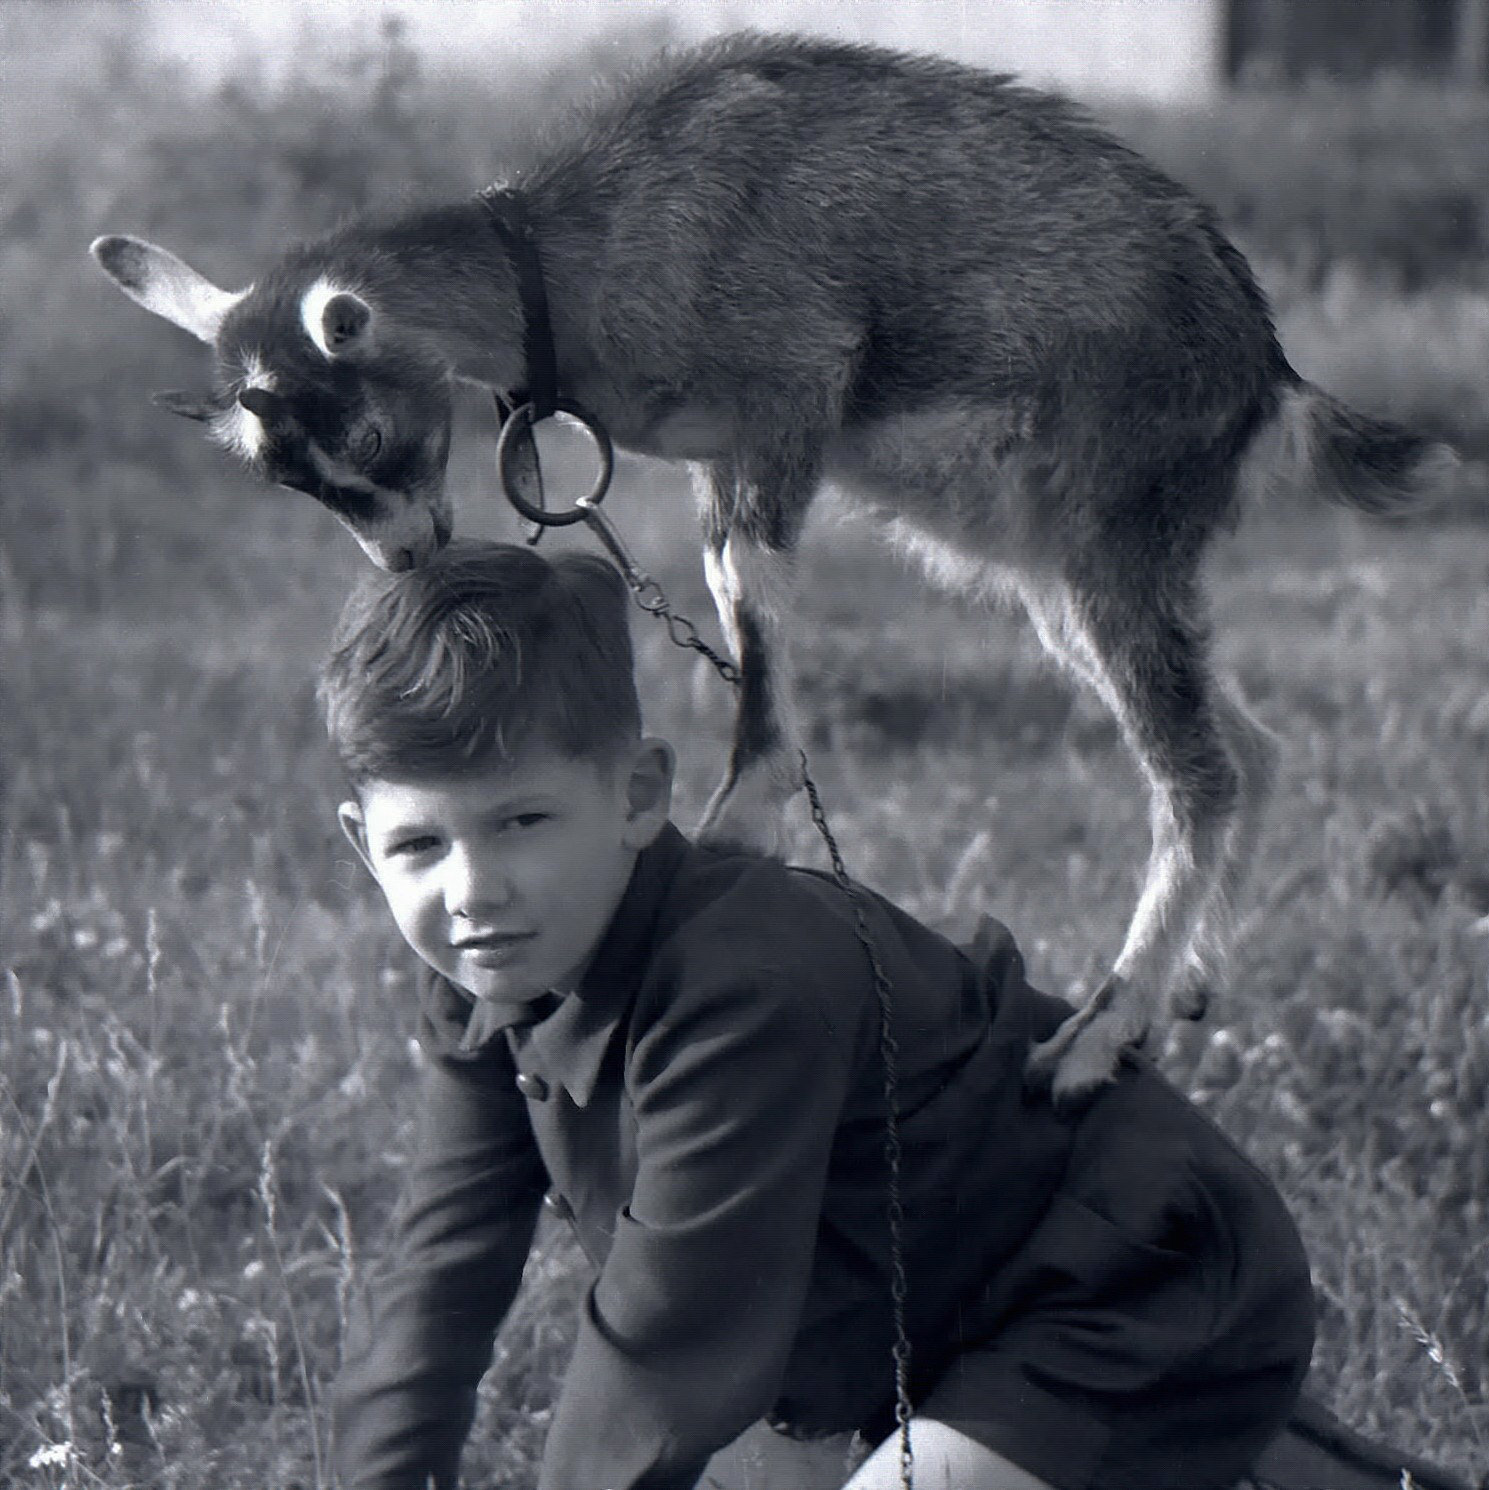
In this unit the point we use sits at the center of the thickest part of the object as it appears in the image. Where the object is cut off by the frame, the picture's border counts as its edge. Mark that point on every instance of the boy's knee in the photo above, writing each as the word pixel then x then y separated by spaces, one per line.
pixel 763 1459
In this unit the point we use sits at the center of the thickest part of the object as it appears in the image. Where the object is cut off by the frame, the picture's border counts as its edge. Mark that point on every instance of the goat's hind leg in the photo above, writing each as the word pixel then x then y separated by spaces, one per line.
pixel 1254 750
pixel 1146 656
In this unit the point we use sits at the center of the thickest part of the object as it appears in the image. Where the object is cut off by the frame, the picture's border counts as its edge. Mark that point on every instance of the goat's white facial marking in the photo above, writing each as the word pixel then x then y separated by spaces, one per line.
pixel 313 309
pixel 338 473
pixel 239 429
pixel 334 317
pixel 400 535
pixel 241 432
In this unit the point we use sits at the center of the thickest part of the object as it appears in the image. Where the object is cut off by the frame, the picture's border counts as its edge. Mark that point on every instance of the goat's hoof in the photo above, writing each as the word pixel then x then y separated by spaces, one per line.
pixel 1190 997
pixel 1083 1054
pixel 1074 1079
pixel 737 821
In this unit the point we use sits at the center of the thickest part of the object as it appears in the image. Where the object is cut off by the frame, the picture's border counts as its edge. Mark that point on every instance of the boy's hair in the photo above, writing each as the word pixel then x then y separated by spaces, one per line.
pixel 482 651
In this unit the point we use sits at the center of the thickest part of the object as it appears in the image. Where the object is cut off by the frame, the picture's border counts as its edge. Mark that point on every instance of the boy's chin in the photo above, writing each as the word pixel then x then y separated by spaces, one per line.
pixel 502 990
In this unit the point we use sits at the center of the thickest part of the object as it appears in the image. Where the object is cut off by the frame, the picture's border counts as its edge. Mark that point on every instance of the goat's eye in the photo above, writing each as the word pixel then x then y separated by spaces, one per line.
pixel 366 446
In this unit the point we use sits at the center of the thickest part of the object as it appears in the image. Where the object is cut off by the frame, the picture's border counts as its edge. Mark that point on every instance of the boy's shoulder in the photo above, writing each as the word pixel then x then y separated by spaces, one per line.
pixel 735 918
pixel 781 913
pixel 747 959
pixel 705 935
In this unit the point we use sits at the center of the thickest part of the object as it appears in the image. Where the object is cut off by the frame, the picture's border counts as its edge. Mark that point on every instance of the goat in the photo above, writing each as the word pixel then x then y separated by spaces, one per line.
pixel 1032 356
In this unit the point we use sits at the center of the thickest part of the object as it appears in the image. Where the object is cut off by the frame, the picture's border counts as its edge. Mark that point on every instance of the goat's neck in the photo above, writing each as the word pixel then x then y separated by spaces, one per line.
pixel 442 279
pixel 444 276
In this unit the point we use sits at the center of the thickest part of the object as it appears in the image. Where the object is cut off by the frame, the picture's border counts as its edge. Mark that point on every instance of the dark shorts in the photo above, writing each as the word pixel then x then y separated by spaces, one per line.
pixel 1154 1330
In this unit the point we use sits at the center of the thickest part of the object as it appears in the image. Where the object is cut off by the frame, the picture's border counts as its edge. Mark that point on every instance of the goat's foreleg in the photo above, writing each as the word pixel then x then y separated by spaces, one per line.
pixel 749 558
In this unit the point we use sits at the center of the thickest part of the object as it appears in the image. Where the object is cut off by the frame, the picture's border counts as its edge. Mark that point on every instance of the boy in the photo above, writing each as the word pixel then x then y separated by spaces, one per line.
pixel 681 1047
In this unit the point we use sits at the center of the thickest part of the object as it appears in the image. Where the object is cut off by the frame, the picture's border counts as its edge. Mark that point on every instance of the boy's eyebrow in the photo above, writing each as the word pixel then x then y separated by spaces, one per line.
pixel 522 802
pixel 403 827
pixel 501 807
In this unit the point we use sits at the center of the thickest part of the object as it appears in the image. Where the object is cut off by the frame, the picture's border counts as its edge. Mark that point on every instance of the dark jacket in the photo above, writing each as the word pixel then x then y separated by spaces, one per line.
pixel 708 1109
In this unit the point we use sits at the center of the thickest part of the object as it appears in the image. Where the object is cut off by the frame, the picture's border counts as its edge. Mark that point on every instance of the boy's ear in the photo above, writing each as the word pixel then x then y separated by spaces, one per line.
pixel 354 825
pixel 649 792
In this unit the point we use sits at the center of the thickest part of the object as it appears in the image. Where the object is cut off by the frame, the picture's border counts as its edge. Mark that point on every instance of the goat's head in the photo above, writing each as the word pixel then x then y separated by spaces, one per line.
pixel 315 389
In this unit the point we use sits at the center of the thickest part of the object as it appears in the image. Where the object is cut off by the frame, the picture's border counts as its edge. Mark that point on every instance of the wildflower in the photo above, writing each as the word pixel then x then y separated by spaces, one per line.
pixel 48 919
pixel 1341 1024
pixel 51 1456
pixel 1221 1064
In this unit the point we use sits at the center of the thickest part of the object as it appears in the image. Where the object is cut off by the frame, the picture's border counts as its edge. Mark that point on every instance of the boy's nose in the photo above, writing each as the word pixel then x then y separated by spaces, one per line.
pixel 474 884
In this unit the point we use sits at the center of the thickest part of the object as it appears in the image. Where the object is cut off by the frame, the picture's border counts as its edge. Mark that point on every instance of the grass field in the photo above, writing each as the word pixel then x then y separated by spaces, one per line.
pixel 205 1072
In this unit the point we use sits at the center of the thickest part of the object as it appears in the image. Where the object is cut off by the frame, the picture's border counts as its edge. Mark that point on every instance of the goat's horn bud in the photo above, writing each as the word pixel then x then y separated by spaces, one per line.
pixel 262 403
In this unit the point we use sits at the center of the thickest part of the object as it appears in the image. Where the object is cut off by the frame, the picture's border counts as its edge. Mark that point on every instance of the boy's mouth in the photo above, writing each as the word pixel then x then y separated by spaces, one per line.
pixel 492 947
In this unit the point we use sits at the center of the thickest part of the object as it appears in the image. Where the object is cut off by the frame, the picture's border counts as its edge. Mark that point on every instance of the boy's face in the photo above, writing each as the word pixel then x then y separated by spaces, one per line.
pixel 504 878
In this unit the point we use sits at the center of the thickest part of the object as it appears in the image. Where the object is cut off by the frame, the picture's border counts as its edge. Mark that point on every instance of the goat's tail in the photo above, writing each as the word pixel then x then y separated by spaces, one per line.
pixel 1371 465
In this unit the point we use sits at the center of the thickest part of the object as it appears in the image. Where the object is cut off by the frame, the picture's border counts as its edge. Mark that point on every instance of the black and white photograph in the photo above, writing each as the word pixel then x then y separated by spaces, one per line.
pixel 744 744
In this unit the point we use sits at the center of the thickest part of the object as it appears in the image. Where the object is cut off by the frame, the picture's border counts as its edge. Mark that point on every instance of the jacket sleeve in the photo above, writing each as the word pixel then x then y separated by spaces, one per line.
pixel 405 1398
pixel 683 1339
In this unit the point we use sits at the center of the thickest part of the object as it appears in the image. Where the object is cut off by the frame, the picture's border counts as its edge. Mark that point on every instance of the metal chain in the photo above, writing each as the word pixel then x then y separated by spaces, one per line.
pixel 889 1053
pixel 649 595
pixel 650 598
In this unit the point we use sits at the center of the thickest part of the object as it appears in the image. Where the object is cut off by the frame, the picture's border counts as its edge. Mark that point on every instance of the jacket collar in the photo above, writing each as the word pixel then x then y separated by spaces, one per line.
pixel 572 1041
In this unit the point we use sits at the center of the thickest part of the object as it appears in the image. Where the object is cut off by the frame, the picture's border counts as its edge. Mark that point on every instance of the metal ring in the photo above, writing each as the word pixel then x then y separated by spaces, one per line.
pixel 523 419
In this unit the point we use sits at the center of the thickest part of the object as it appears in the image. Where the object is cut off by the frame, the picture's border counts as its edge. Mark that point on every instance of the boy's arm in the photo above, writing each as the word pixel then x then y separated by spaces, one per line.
pixel 684 1338
pixel 406 1397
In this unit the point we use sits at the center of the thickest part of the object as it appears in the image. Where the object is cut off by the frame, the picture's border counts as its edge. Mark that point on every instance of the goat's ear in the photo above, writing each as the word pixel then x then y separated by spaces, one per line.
pixel 346 321
pixel 338 321
pixel 155 278
pixel 188 405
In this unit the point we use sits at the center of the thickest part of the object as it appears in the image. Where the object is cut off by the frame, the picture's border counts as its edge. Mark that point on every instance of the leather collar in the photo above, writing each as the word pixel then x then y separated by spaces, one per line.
pixel 509 217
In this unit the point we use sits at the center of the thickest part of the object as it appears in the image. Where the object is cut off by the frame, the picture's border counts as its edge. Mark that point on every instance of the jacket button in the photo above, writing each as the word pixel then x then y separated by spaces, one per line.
pixel 532 1086
pixel 556 1205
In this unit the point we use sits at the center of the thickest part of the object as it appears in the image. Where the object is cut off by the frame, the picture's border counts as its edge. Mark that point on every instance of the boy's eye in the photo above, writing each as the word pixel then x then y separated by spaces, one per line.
pixel 527 819
pixel 420 843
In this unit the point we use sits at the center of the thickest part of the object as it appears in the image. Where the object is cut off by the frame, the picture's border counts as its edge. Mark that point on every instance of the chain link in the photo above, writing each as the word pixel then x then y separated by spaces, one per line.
pixel 651 598
pixel 889 1054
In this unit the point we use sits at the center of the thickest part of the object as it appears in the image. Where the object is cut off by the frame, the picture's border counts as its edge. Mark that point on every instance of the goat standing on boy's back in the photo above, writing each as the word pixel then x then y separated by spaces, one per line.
pixel 1030 353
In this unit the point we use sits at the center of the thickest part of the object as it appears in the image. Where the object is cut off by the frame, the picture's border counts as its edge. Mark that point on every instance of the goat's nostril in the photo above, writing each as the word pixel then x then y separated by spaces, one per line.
pixel 402 559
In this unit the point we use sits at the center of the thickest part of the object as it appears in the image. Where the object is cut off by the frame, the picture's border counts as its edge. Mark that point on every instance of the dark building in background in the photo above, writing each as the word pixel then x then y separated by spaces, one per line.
pixel 1279 40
